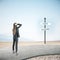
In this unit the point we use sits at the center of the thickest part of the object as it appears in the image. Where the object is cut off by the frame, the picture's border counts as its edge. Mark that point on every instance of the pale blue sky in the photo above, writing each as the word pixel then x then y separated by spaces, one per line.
pixel 30 13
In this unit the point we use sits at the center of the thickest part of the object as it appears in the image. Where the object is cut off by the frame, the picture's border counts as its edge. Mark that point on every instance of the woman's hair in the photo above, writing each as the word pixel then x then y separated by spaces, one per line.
pixel 14 29
pixel 14 25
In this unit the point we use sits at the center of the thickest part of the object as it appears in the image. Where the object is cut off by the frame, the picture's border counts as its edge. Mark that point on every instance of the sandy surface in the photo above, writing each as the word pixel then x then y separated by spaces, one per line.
pixel 6 44
pixel 49 57
pixel 29 50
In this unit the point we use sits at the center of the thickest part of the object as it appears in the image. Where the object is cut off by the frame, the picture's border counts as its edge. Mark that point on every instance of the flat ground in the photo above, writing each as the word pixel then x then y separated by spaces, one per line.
pixel 29 50
pixel 6 44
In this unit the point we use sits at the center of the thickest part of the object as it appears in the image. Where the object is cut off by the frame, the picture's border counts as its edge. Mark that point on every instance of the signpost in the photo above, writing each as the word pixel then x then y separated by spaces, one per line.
pixel 45 28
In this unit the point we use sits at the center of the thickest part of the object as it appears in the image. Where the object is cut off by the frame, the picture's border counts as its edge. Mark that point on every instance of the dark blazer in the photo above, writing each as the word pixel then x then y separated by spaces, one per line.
pixel 17 29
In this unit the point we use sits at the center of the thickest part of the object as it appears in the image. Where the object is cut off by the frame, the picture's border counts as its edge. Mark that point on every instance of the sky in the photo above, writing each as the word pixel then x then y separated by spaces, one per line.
pixel 30 13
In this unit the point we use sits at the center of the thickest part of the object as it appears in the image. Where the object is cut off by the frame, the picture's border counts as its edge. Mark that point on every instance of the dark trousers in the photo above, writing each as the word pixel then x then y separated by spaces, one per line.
pixel 15 43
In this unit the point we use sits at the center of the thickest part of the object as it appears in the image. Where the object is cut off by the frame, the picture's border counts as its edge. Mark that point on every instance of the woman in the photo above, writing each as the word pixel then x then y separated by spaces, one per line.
pixel 15 35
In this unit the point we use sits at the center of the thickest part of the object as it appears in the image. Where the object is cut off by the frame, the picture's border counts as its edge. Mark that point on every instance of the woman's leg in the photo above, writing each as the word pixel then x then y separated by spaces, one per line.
pixel 13 44
pixel 16 45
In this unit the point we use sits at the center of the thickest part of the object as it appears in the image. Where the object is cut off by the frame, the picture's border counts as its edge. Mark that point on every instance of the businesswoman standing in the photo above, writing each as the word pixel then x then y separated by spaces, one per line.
pixel 15 36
